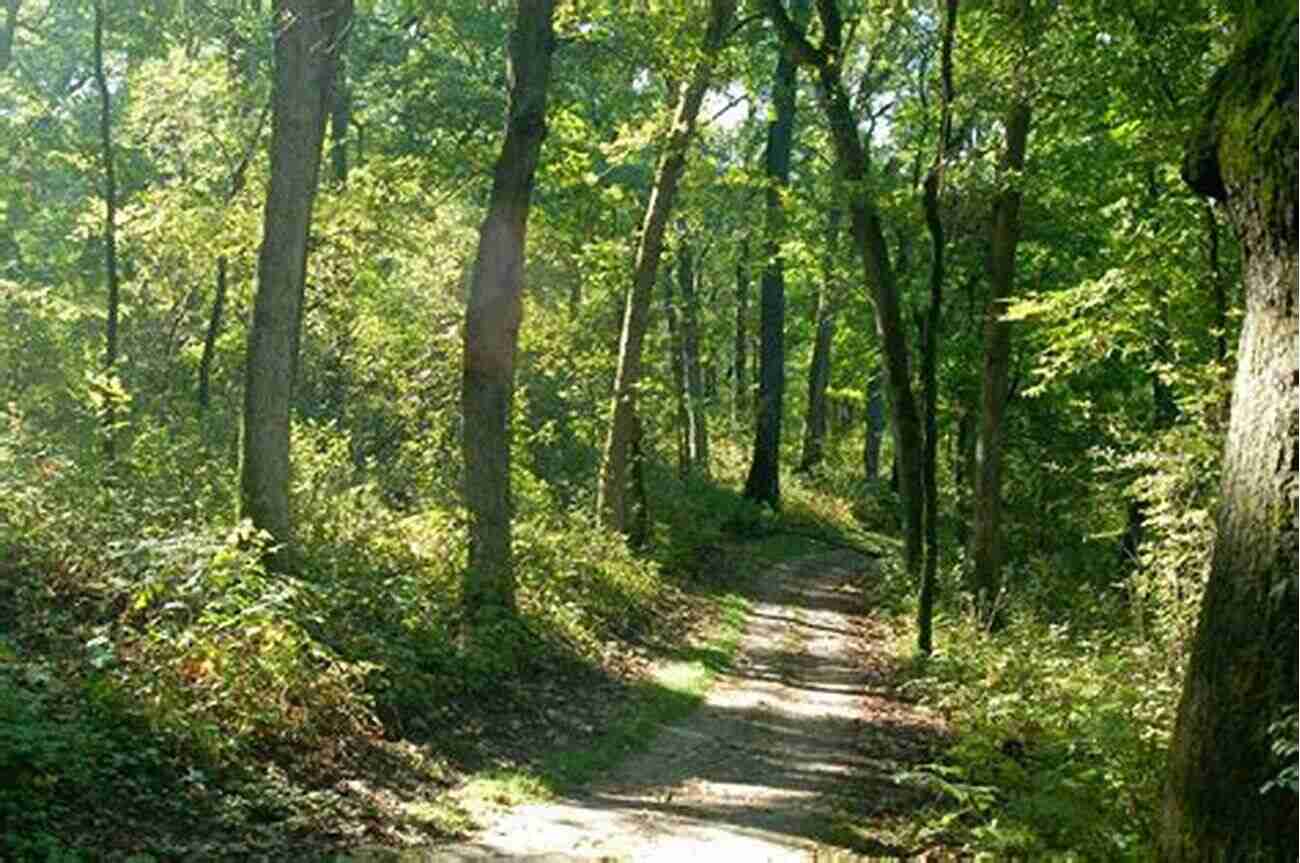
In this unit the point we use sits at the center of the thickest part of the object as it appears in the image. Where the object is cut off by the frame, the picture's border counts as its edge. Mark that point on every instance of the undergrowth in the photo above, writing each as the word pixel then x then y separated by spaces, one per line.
pixel 147 654
pixel 1059 745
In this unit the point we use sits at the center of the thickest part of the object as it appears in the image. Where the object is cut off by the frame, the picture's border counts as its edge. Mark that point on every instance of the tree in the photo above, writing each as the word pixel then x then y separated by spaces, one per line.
pixel 1242 674
pixel 612 489
pixel 868 236
pixel 764 480
pixel 493 316
pixel 306 55
pixel 740 345
pixel 238 177
pixel 697 423
pixel 986 536
pixel 677 364
pixel 110 221
pixel 930 334
pixel 819 368
pixel 7 32
pixel 873 432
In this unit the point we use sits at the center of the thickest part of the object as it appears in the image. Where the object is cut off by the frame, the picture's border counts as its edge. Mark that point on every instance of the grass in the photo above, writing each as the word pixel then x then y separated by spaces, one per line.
pixel 676 686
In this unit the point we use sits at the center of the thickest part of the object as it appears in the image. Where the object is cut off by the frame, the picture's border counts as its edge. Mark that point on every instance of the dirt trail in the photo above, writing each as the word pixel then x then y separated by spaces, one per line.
pixel 758 772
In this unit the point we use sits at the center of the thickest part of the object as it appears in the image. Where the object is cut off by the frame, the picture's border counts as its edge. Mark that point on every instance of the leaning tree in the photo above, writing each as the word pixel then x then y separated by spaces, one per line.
pixel 1220 802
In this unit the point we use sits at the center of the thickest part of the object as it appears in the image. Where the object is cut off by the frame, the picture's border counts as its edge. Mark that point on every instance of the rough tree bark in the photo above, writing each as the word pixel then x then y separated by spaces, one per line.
pixel 611 495
pixel 868 236
pixel 110 223
pixel 930 337
pixel 986 530
pixel 492 317
pixel 819 369
pixel 306 34
pixel 1242 674
pixel 764 480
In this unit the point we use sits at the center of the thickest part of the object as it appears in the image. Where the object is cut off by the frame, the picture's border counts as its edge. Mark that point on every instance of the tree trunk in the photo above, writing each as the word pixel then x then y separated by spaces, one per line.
pixel 237 179
pixel 873 435
pixel 697 424
pixel 492 319
pixel 869 238
pixel 680 434
pixel 963 468
pixel 1217 289
pixel 1242 674
pixel 741 402
pixel 110 226
pixel 7 33
pixel 639 530
pixel 305 57
pixel 341 115
pixel 612 489
pixel 986 531
pixel 930 339
pixel 764 480
pixel 819 369
pixel 210 337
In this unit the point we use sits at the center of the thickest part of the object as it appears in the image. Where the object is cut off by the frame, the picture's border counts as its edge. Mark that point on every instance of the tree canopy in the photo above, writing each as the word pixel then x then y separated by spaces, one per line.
pixel 370 368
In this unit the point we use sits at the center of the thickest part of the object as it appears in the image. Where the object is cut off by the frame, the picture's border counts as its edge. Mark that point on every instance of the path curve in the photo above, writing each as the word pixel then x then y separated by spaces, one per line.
pixel 757 773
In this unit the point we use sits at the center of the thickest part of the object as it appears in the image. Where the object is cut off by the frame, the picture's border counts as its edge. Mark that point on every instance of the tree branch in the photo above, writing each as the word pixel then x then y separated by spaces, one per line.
pixel 796 45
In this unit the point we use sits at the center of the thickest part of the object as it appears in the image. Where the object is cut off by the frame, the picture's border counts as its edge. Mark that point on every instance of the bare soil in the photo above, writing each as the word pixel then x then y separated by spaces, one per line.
pixel 796 743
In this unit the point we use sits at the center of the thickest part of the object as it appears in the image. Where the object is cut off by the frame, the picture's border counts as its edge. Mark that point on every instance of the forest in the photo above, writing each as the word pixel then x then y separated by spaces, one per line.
pixel 596 430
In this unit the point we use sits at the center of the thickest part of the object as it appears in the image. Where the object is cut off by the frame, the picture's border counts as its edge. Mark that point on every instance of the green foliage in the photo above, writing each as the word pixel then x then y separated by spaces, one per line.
pixel 1285 734
pixel 1059 741
pixel 141 633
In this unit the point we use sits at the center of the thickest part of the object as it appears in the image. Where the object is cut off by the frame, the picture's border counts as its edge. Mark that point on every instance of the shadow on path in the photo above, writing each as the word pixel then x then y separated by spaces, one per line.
pixel 797 734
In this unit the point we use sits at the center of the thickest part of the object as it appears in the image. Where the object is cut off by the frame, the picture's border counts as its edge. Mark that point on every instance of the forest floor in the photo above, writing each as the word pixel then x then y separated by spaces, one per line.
pixel 790 757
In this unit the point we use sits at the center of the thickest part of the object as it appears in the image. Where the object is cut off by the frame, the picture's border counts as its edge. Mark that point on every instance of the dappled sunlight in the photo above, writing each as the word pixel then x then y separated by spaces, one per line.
pixel 778 749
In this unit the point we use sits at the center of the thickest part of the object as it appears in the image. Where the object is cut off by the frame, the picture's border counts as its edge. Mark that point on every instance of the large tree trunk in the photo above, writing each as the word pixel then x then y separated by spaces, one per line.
pixel 492 318
pixel 819 369
pixel 110 224
pixel 611 493
pixel 1242 673
pixel 697 424
pixel 987 549
pixel 869 238
pixel 930 338
pixel 305 58
pixel 764 480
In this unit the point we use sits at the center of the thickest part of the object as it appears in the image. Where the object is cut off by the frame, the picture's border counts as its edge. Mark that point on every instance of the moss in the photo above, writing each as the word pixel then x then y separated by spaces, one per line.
pixel 1250 114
